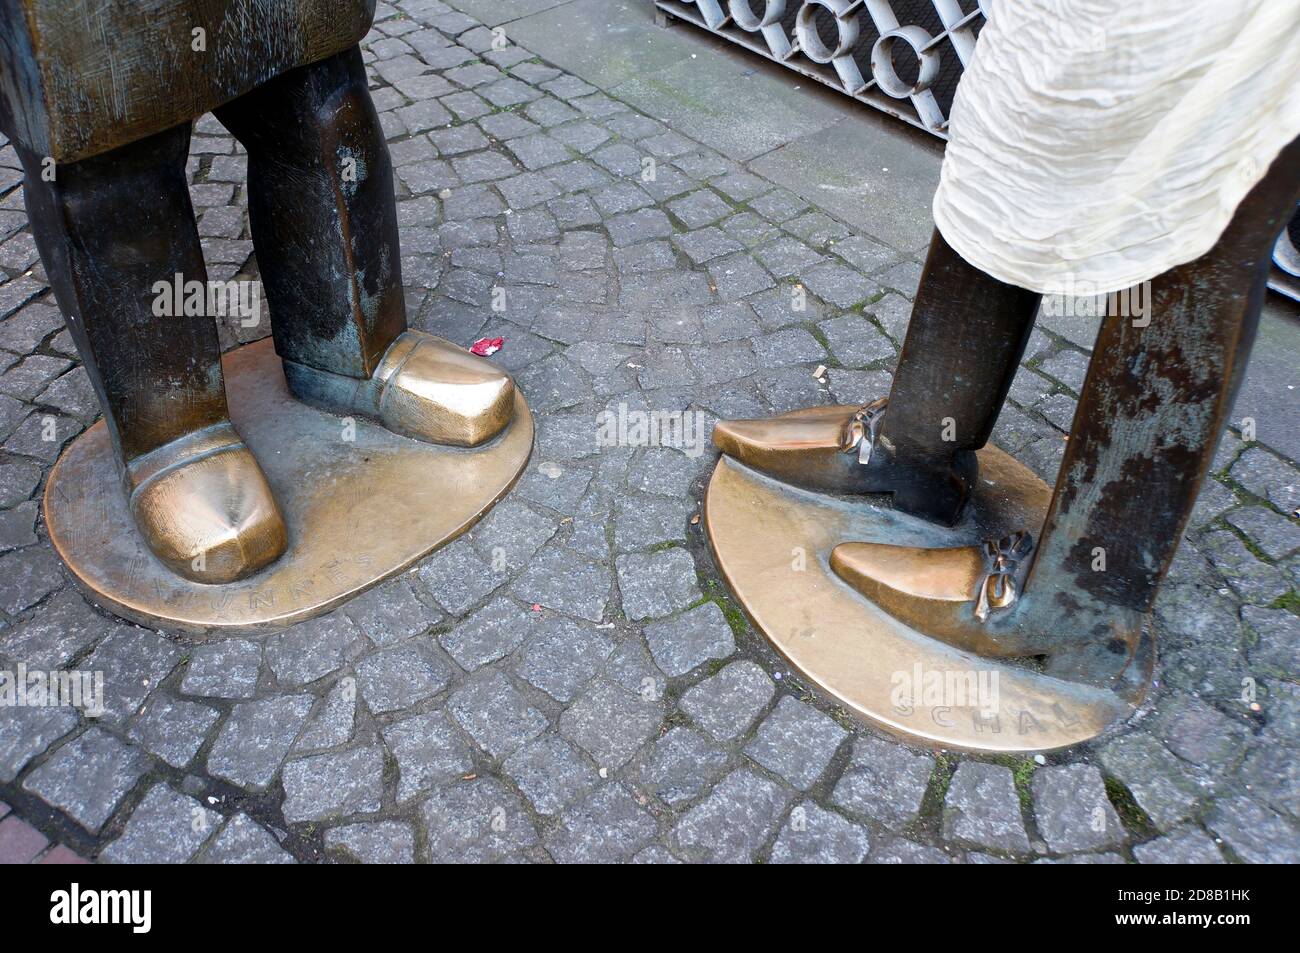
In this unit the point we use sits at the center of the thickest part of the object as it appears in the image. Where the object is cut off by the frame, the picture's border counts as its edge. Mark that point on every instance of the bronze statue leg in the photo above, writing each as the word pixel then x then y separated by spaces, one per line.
pixel 324 225
pixel 116 232
pixel 1154 406
pixel 964 343
pixel 108 228
pixel 323 216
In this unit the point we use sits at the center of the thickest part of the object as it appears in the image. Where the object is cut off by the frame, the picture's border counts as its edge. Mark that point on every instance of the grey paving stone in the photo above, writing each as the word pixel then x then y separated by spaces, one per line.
pixel 171 729
pixel 1073 811
pixel 382 842
pixel 255 739
pixel 1162 787
pixel 1275 535
pixel 555 486
pixel 334 719
pixel 495 714
pixel 706 244
pixel 561 656
pixel 88 777
pixel 476 821
pixel 884 782
pixel 1187 845
pixel 786 257
pixel 639 226
pixel 27 732
pixel 682 644
pixel 1202 735
pixel 18 480
pixel 491 633
pixel 244 841
pixel 796 741
pixel 311 650
pixel 551 773
pixel 226 669
pixel 334 784
pixel 133 661
pixel 681 765
pixel 900 850
pixel 738 276
pixel 1253 832
pixel 608 827
pixel 65 627
pixel 656 584
pixel 402 675
pixel 654 854
pixel 814 835
pixel 838 285
pixel 391 613
pixel 727 703
pixel 1252 579
pixel 458 578
pixel 165 828
pixel 610 723
pixel 1269 478
pixel 18 526
pixel 856 342
pixel 560 579
pixel 26 577
pixel 790 346
pixel 734 821
pixel 429 752
pixel 982 809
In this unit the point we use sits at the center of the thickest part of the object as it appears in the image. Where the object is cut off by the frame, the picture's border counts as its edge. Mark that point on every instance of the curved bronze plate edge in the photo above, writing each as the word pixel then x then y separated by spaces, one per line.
pixel 182 627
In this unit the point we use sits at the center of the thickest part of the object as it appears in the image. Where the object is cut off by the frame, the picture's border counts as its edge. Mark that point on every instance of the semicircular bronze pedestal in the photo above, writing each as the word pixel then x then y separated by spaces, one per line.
pixel 361 504
pixel 773 543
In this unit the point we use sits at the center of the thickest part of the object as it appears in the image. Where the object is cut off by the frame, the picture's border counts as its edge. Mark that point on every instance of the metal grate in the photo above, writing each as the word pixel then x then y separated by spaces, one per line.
pixel 904 57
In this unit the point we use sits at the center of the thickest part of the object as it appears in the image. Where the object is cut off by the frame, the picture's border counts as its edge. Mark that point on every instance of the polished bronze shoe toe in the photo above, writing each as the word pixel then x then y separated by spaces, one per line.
pixel 204 507
pixel 818 449
pixel 949 593
pixel 435 391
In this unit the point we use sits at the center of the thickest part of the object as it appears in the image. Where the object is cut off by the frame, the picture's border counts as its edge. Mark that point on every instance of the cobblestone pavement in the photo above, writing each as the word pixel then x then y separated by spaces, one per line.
pixel 570 681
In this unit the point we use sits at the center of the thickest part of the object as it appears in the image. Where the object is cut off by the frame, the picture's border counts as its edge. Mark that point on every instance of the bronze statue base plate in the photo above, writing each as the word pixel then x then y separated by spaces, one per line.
pixel 773 543
pixel 358 511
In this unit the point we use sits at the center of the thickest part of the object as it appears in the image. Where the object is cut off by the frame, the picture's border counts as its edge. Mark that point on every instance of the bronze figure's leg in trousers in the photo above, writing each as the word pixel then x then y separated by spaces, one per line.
pixel 158 378
pixel 1154 404
pixel 324 224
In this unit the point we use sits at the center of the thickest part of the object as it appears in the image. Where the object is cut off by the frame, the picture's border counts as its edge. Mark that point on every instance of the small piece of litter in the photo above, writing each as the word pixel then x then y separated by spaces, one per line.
pixel 537 607
pixel 486 347
pixel 820 372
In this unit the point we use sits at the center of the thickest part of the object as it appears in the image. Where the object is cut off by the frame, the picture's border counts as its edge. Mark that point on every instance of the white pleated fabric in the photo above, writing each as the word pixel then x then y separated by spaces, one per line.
pixel 1097 143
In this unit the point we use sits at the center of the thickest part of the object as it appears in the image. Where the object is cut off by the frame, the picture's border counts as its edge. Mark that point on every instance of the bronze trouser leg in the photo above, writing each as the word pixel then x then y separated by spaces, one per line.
pixel 323 215
pixel 964 343
pixel 108 228
pixel 1154 405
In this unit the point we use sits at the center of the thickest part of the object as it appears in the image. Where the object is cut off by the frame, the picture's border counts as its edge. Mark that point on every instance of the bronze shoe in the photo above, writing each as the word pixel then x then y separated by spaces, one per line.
pixel 840 450
pixel 821 448
pixel 424 387
pixel 204 507
pixel 951 594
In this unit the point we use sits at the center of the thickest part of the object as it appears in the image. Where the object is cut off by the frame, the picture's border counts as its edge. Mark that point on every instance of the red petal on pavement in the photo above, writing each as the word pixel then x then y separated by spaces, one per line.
pixel 485 347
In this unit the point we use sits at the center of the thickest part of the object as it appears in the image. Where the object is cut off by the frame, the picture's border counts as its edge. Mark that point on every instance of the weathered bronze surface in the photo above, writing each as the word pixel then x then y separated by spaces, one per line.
pixel 357 511
pixel 1064 586
pixel 773 542
pixel 81 77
